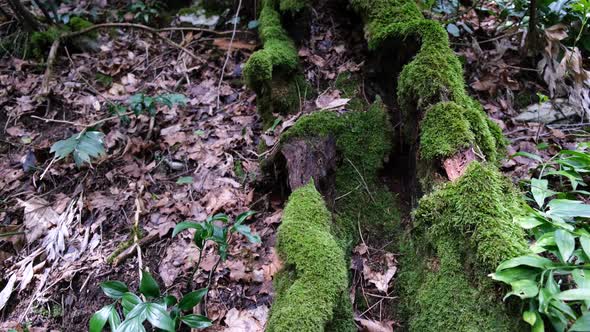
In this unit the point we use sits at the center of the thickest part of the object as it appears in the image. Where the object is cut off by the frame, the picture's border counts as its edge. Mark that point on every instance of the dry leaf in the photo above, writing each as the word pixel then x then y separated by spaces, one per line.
pixel 247 320
pixel 367 325
pixel 5 293
pixel 381 279
pixel 39 216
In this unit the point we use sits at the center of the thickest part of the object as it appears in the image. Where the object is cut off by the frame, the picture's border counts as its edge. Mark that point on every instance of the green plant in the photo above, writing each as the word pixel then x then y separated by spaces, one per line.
pixel 89 144
pixel 146 11
pixel 581 9
pixel 163 312
pixel 555 276
pixel 215 229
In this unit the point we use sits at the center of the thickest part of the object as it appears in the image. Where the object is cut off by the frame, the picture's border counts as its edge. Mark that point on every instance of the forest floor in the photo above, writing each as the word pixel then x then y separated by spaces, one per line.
pixel 197 160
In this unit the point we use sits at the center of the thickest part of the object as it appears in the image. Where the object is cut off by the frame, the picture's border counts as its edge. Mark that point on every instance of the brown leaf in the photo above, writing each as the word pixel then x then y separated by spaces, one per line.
pixel 39 216
pixel 381 279
pixel 247 320
pixel 374 326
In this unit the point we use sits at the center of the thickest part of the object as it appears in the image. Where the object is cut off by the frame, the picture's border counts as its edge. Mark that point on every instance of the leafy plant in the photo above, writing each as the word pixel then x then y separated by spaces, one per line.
pixel 163 312
pixel 82 146
pixel 215 229
pixel 89 144
pixel 146 11
pixel 555 277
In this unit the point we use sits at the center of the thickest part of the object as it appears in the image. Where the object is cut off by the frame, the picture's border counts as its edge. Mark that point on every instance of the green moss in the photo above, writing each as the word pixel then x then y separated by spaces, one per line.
pixel 437 295
pixel 350 87
pixel 292 5
pixel 480 206
pixel 316 279
pixel 41 41
pixel 363 139
pixel 462 231
pixel 272 72
pixel 444 131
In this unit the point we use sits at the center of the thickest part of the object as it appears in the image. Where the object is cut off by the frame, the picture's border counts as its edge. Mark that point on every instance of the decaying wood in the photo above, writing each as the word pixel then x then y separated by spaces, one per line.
pixel 456 165
pixel 312 158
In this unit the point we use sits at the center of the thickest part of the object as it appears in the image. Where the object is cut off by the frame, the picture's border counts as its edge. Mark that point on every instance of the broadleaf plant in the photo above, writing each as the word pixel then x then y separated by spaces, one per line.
pixel 555 278
pixel 163 312
pixel 215 229
pixel 82 146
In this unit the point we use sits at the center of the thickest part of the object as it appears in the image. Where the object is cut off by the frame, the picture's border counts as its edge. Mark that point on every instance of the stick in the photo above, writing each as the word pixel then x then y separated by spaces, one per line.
pixel 231 41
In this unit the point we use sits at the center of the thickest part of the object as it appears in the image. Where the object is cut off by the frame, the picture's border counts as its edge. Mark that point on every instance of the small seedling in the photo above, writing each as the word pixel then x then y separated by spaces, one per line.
pixel 163 312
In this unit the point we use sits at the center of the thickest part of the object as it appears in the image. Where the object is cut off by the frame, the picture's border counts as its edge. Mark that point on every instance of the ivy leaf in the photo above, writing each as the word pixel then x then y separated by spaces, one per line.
pixel 192 299
pixel 565 243
pixel 170 99
pixel 148 285
pixel 196 321
pixel 99 319
pixel 83 146
pixel 114 289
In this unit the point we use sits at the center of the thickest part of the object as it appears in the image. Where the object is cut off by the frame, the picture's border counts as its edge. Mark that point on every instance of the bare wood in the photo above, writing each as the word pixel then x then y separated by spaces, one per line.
pixel 45 88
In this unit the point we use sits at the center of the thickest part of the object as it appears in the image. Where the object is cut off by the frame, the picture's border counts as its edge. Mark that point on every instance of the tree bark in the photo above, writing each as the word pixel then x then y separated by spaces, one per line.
pixel 29 21
pixel 532 39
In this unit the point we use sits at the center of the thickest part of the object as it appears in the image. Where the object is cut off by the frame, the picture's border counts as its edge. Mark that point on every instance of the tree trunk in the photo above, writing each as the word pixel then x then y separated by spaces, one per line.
pixel 27 19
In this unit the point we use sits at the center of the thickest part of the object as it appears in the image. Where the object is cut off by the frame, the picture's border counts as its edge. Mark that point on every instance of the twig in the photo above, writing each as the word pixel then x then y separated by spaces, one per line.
pixel 120 258
pixel 45 89
pixel 362 179
pixel 138 211
pixel 220 33
pixel 85 126
pixel 231 41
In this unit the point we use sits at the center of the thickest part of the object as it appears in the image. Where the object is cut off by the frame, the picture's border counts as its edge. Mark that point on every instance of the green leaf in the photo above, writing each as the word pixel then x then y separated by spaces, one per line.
pixel 181 226
pixel 539 324
pixel 529 260
pixel 546 240
pixel 246 231
pixel 114 319
pixel 566 243
pixel 578 294
pixel 114 289
pixel 148 285
pixel 131 325
pixel 99 319
pixel 585 242
pixel 129 302
pixel 515 273
pixel 243 216
pixel 551 286
pixel 528 222
pixel 192 299
pixel 170 99
pixel 219 217
pixel 529 317
pixel 540 191
pixel 196 321
pixel 169 300
pixel 563 307
pixel 524 289
pixel 157 315
pixel 185 180
pixel 139 312
pixel 566 208
pixel 582 323
pixel 83 146
pixel 527 155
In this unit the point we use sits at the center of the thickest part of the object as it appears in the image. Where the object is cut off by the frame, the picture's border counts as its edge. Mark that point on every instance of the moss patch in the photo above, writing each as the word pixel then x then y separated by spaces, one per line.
pixel 41 41
pixel 315 279
pixel 272 72
pixel 443 131
pixel 462 231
